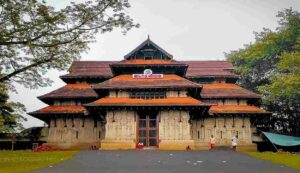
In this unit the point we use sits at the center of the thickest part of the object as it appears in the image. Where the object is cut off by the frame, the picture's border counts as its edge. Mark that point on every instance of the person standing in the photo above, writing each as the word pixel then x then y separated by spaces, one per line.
pixel 234 143
pixel 212 143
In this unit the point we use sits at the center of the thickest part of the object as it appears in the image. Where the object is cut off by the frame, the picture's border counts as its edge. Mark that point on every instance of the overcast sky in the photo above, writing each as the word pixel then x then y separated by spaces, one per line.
pixel 188 29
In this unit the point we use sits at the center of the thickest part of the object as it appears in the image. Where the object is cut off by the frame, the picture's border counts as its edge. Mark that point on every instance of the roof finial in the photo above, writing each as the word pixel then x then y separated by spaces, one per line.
pixel 148 37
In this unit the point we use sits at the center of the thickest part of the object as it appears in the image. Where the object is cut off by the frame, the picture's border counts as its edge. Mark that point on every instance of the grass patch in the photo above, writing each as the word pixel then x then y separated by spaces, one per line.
pixel 25 161
pixel 291 160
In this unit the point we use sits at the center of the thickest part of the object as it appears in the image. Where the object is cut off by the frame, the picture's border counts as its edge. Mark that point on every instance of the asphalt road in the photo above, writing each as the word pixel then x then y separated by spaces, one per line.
pixel 164 161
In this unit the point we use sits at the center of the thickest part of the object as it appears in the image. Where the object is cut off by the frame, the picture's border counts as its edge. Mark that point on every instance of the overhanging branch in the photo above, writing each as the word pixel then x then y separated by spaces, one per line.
pixel 10 75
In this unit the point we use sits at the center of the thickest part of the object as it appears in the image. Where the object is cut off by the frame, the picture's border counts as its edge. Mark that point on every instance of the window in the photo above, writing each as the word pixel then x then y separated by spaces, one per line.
pixel 73 122
pixel 65 122
pixel 198 134
pixel 215 123
pixel 57 103
pixel 54 122
pixel 77 134
pixel 78 103
pixel 99 135
pixel 180 118
pixel 83 122
pixel 148 54
pixel 95 123
pixel 148 95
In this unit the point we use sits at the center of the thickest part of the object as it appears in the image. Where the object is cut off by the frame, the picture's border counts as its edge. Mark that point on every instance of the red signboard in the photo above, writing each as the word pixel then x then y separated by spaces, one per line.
pixel 148 76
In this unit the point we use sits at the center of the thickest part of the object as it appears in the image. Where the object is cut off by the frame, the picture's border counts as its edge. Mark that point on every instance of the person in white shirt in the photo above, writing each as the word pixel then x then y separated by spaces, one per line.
pixel 212 143
pixel 234 142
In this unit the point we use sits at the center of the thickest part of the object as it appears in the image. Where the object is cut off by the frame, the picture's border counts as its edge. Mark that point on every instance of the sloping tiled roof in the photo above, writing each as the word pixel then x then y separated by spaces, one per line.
pixel 59 110
pixel 226 65
pixel 148 62
pixel 209 69
pixel 195 69
pixel 81 90
pixel 127 81
pixel 209 72
pixel 176 101
pixel 235 109
pixel 90 69
pixel 225 90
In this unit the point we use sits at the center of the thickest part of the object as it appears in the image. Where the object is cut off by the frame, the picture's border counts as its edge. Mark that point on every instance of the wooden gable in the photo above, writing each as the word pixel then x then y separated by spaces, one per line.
pixel 148 50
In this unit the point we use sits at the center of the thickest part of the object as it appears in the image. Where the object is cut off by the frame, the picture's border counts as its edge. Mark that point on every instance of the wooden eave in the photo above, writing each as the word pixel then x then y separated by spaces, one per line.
pixel 236 110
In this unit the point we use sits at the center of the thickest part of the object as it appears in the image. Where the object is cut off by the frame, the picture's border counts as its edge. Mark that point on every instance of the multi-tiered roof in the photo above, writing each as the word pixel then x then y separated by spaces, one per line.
pixel 89 82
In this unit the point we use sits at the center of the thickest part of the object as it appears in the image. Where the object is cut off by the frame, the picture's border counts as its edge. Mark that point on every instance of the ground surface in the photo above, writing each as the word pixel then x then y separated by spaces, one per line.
pixel 292 160
pixel 165 161
pixel 24 161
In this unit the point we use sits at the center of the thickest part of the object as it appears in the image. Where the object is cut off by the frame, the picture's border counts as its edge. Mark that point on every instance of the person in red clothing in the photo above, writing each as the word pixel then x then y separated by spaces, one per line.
pixel 212 143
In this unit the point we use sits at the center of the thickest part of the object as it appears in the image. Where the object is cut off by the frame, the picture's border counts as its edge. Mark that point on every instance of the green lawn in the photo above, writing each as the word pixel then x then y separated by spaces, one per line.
pixel 291 160
pixel 25 161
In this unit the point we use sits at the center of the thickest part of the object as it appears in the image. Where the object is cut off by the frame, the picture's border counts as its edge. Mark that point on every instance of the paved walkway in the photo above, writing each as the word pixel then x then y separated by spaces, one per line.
pixel 165 162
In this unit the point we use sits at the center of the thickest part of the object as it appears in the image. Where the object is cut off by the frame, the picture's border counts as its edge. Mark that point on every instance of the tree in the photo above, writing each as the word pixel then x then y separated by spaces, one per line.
pixel 34 37
pixel 271 66
pixel 10 113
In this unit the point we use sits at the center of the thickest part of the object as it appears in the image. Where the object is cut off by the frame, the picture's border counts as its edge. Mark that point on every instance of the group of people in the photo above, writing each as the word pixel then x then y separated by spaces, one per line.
pixel 213 142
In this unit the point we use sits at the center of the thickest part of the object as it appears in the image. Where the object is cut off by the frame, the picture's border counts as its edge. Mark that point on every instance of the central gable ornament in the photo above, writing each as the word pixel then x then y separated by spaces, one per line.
pixel 148 74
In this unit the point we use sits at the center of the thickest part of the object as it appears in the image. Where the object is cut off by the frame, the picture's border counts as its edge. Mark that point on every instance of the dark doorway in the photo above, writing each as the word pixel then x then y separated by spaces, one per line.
pixel 147 128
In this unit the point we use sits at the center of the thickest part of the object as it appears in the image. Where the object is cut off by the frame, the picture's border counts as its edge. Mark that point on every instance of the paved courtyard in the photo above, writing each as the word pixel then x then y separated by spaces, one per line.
pixel 164 162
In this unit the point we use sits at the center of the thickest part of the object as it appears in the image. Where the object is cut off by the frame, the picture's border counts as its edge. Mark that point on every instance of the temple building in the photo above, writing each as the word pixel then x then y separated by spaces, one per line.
pixel 149 98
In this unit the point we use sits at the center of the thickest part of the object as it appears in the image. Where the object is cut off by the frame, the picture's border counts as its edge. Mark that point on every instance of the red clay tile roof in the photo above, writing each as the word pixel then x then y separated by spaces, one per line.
pixel 79 86
pixel 235 109
pixel 221 85
pixel 59 110
pixel 226 90
pixel 90 69
pixel 209 72
pixel 127 81
pixel 81 90
pixel 226 65
pixel 141 61
pixel 196 68
pixel 148 62
pixel 209 69
pixel 176 101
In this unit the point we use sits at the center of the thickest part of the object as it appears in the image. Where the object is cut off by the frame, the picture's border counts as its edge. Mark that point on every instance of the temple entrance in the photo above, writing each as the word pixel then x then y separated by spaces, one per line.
pixel 147 128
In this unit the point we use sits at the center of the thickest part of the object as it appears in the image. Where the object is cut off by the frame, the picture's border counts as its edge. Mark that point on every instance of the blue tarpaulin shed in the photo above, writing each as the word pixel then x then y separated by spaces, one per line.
pixel 282 140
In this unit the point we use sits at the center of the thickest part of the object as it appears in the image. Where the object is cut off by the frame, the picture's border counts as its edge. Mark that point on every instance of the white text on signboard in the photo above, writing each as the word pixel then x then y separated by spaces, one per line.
pixel 148 76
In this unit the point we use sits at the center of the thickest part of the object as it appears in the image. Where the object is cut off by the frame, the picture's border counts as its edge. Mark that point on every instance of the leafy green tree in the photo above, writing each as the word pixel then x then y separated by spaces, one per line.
pixel 35 37
pixel 271 66
pixel 10 113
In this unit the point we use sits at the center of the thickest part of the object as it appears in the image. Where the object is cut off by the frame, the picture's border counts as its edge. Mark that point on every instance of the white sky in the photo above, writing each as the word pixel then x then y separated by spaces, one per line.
pixel 189 30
